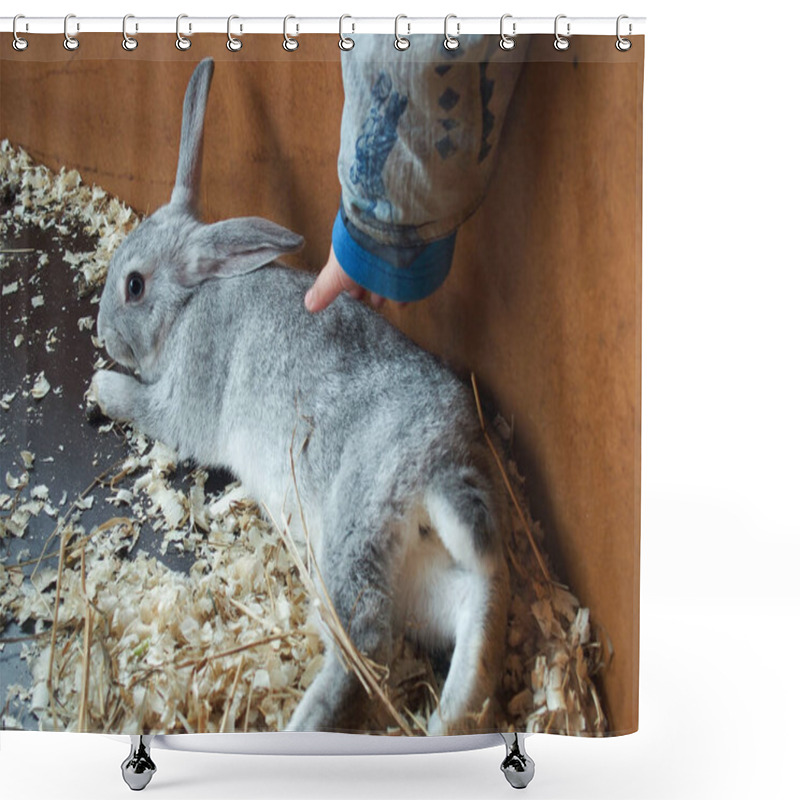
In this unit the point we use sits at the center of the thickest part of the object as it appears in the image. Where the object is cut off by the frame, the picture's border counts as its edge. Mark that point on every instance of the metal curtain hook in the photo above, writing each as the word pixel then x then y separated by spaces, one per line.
pixel 400 42
pixel 128 42
pixel 561 43
pixel 182 43
pixel 233 44
pixel 345 42
pixel 18 43
pixel 451 42
pixel 507 42
pixel 289 42
pixel 70 42
pixel 623 45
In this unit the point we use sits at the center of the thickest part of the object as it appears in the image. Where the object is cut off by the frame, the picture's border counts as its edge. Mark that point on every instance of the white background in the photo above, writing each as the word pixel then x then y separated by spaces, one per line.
pixel 720 599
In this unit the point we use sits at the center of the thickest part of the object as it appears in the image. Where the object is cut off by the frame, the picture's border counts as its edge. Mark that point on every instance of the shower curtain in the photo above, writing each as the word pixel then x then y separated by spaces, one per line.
pixel 161 578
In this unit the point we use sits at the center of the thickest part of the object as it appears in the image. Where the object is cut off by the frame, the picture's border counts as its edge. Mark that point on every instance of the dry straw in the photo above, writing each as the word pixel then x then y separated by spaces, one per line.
pixel 122 643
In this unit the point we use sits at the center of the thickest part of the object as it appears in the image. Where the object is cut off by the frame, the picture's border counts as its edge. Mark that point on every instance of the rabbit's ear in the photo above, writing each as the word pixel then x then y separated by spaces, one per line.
pixel 187 180
pixel 233 247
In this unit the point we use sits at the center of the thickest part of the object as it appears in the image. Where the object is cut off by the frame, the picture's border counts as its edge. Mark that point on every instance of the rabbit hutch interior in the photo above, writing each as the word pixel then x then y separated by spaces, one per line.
pixel 222 513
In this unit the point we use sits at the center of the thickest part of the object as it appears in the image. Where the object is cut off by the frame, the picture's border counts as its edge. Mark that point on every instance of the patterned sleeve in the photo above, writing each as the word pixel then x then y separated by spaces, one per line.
pixel 418 144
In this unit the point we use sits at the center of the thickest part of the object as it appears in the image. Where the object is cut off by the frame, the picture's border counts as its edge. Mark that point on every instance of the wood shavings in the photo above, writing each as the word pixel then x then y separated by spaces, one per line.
pixel 17 483
pixel 240 618
pixel 551 645
pixel 41 386
pixel 132 646
pixel 17 523
pixel 43 198
pixel 122 497
pixel 199 516
pixel 51 340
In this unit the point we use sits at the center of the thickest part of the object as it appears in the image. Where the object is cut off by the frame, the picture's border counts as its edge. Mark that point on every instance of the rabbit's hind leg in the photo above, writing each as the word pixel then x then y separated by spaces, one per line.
pixel 357 568
pixel 326 702
pixel 474 587
pixel 477 662
pixel 462 609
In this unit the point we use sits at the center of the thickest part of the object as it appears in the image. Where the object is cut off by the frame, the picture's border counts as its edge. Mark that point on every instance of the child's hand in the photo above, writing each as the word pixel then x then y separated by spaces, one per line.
pixel 331 282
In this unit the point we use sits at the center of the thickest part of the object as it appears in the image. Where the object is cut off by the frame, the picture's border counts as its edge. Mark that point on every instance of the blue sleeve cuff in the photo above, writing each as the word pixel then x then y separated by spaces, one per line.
pixel 421 271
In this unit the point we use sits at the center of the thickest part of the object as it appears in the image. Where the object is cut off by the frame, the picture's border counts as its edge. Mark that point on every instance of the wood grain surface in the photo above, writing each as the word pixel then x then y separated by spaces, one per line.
pixel 544 299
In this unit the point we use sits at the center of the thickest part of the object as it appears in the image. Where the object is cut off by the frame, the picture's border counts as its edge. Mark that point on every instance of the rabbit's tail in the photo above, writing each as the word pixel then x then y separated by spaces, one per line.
pixel 460 508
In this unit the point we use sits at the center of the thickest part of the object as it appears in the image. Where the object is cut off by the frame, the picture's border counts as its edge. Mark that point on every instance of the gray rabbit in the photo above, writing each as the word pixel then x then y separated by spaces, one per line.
pixel 229 368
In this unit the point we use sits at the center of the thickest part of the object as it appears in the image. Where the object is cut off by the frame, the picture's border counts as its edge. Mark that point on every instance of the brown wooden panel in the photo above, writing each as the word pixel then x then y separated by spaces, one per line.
pixel 544 304
pixel 272 127
pixel 544 299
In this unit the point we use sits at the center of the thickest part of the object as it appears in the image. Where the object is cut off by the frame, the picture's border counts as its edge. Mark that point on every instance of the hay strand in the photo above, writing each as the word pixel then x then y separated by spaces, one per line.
pixel 246 598
pixel 87 647
pixel 55 630
pixel 223 726
pixel 512 494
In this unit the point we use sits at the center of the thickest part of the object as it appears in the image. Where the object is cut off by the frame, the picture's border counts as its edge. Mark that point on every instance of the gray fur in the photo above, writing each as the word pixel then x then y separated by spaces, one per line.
pixel 232 371
pixel 190 158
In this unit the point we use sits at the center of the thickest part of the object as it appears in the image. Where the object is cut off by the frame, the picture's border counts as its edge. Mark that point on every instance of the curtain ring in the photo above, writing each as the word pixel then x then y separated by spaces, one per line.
pixel 70 42
pixel 451 42
pixel 233 44
pixel 290 44
pixel 128 42
pixel 623 45
pixel 561 43
pixel 182 43
pixel 400 42
pixel 345 42
pixel 18 43
pixel 507 42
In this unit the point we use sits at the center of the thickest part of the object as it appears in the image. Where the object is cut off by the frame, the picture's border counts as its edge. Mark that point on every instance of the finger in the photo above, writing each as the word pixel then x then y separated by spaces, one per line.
pixel 356 293
pixel 376 300
pixel 330 283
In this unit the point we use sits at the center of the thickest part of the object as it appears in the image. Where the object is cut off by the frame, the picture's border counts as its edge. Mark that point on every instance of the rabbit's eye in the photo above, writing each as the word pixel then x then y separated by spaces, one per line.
pixel 134 288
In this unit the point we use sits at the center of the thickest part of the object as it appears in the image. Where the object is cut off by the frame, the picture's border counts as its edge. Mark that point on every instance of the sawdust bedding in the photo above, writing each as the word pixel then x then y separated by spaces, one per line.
pixel 120 642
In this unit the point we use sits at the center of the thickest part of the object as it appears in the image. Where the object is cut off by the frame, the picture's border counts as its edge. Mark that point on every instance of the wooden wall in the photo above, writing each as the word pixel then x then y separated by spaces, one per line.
pixel 544 299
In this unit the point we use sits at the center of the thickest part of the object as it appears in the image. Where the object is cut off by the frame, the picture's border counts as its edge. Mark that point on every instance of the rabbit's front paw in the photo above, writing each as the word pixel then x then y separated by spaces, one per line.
pixel 115 394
